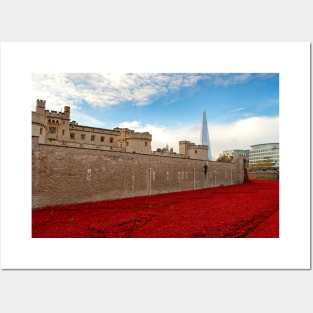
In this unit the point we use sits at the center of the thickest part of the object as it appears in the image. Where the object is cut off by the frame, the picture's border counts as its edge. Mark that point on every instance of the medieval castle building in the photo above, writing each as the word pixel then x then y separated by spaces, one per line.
pixel 72 163
pixel 54 127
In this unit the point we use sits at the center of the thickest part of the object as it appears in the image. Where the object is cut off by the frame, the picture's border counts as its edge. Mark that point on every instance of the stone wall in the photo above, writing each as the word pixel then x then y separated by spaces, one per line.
pixel 62 175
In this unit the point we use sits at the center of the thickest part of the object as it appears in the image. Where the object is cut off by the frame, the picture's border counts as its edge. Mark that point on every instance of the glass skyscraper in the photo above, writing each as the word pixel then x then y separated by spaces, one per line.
pixel 204 139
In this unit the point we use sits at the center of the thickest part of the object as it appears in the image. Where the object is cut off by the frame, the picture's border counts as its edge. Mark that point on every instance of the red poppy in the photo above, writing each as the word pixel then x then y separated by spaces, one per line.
pixel 245 210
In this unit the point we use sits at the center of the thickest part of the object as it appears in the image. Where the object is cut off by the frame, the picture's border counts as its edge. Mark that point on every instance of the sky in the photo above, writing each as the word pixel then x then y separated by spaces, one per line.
pixel 242 109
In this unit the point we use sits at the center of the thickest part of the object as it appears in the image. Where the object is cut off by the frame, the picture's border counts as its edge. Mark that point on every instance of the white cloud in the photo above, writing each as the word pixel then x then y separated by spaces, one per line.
pixel 236 110
pixel 161 135
pixel 244 133
pixel 55 89
pixel 238 135
pixel 108 89
pixel 231 79
pixel 111 89
pixel 131 125
pixel 85 119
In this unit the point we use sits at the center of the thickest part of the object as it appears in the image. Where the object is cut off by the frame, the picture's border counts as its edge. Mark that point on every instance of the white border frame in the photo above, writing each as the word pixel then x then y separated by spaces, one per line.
pixel 290 251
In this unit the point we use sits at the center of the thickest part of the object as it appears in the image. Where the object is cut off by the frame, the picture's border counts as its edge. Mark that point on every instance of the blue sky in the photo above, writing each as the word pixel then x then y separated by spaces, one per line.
pixel 242 108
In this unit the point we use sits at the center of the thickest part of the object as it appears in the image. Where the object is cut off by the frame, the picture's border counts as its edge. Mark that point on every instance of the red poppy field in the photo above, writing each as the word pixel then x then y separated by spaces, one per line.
pixel 237 211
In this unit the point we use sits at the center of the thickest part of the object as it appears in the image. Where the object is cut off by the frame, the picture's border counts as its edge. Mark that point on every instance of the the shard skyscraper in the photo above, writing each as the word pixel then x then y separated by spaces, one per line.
pixel 205 140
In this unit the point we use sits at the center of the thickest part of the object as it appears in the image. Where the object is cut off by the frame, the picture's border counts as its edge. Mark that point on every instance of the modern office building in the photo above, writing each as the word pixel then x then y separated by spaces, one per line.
pixel 264 156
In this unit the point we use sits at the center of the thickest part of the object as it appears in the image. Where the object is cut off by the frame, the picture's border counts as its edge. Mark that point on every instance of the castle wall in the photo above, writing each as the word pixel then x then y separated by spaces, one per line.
pixel 62 174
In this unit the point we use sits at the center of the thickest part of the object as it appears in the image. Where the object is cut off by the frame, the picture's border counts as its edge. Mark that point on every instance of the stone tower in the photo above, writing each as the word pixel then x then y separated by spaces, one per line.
pixel 205 140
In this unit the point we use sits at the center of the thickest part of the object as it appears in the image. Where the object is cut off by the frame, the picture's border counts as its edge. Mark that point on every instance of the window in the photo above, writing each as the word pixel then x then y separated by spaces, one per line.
pixel 72 135
pixel 92 138
pixel 146 144
pixel 82 137
pixel 52 130
pixel 40 131
pixel 196 151
pixel 63 132
pixel 111 139
pixel 102 138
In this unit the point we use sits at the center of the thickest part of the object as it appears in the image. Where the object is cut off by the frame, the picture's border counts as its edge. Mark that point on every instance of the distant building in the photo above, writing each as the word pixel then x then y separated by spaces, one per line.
pixel 228 155
pixel 204 138
pixel 166 151
pixel 235 152
pixel 264 156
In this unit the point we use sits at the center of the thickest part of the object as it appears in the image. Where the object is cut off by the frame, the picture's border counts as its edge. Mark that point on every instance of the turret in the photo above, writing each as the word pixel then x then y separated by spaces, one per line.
pixel 191 151
pixel 41 106
pixel 67 111
pixel 183 147
pixel 138 142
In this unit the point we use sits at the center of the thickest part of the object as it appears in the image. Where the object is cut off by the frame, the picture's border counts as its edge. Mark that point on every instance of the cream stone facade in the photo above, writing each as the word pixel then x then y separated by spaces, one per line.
pixel 54 127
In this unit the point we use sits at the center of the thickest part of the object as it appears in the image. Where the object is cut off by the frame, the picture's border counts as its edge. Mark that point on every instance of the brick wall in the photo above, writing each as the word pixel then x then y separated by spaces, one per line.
pixel 63 175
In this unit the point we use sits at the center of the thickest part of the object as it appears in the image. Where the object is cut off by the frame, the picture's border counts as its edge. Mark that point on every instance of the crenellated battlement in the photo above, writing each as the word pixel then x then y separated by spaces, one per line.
pixel 194 146
pixel 41 109
pixel 61 115
pixel 41 103
pixel 137 135
pixel 54 114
